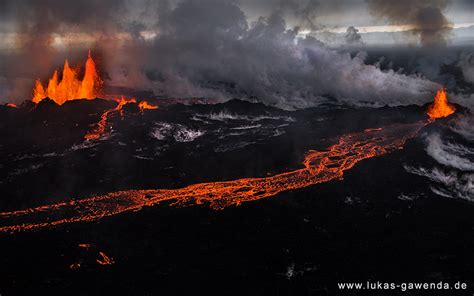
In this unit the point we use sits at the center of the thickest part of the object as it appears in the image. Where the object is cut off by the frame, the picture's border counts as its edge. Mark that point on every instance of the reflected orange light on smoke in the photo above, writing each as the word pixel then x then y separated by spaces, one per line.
pixel 319 167
pixel 440 107
pixel 70 87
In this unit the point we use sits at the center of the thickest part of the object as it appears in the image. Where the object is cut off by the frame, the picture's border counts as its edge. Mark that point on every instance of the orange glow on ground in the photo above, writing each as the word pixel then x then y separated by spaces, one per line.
pixel 104 259
pixel 319 167
pixel 101 127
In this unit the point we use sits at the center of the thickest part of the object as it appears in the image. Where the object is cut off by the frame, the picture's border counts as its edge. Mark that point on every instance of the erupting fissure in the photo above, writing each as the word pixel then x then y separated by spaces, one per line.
pixel 441 107
pixel 319 167
pixel 69 87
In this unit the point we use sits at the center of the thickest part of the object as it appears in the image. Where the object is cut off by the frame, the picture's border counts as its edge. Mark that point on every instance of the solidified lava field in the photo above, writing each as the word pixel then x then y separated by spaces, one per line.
pixel 377 217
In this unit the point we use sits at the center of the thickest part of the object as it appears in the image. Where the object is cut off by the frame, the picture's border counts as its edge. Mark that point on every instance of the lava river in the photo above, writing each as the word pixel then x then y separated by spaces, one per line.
pixel 319 167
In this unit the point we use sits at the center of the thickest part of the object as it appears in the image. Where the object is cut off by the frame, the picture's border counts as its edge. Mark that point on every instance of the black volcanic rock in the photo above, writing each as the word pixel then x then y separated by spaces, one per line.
pixel 179 139
pixel 47 105
pixel 131 108
pixel 88 106
pixel 298 242
pixel 27 105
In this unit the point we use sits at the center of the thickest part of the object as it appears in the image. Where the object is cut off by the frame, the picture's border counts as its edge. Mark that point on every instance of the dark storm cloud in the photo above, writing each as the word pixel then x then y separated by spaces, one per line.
pixel 35 24
pixel 208 48
pixel 305 12
pixel 39 19
pixel 309 14
pixel 203 53
pixel 427 16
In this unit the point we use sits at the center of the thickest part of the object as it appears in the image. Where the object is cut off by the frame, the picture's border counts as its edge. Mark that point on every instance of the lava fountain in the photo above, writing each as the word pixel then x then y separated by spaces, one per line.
pixel 318 167
pixel 70 87
pixel 440 107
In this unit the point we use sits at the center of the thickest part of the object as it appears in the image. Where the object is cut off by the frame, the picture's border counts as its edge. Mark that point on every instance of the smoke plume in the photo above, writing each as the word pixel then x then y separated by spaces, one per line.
pixel 207 48
pixel 352 35
pixel 466 63
pixel 425 15
pixel 226 57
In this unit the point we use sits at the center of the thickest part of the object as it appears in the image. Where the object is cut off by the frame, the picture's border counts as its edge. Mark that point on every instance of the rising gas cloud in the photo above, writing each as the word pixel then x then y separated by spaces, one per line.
pixel 427 17
pixel 207 48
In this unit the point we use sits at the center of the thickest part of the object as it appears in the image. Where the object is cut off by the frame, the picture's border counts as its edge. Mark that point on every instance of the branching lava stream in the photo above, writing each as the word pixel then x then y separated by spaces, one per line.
pixel 319 167
pixel 101 127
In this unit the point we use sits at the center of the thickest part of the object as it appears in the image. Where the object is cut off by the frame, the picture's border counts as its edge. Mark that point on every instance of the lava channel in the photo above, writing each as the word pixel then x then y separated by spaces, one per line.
pixel 319 167
pixel 101 127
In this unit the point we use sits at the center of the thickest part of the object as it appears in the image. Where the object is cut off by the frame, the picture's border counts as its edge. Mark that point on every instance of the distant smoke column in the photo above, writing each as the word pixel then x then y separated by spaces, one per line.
pixel 466 62
pixel 425 15
pixel 352 35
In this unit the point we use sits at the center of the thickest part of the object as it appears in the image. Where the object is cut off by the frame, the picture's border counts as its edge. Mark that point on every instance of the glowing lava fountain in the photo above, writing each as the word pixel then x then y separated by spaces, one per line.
pixel 70 87
pixel 319 167
pixel 440 107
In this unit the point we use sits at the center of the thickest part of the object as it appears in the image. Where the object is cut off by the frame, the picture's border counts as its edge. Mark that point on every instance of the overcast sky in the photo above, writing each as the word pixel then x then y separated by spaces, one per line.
pixel 343 13
pixel 193 44
pixel 328 14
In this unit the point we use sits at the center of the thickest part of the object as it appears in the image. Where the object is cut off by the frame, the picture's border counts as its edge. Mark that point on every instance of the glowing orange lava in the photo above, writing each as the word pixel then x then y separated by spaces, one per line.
pixel 75 266
pixel 101 127
pixel 11 105
pixel 441 107
pixel 70 87
pixel 145 105
pixel 104 259
pixel 319 167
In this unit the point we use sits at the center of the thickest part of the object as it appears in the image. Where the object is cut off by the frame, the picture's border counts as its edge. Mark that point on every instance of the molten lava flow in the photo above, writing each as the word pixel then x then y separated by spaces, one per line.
pixel 70 87
pixel 11 105
pixel 145 105
pixel 101 127
pixel 104 259
pixel 75 266
pixel 440 107
pixel 319 167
